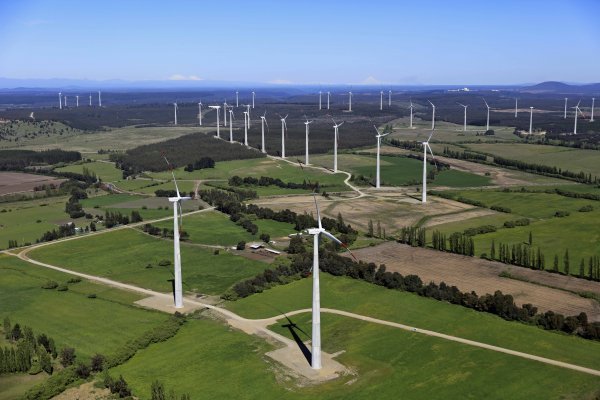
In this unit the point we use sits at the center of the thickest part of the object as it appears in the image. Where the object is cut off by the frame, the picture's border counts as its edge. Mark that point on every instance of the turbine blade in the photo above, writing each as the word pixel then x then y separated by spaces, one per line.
pixel 173 174
pixel 429 137
pixel 432 156
pixel 318 212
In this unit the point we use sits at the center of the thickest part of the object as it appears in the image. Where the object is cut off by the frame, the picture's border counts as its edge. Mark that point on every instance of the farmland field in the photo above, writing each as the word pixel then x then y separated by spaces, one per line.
pixel 103 170
pixel 15 182
pixel 131 256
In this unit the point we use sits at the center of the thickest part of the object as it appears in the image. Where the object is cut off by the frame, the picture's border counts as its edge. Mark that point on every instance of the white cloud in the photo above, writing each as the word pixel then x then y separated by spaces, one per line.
pixel 179 77
pixel 280 82
pixel 371 81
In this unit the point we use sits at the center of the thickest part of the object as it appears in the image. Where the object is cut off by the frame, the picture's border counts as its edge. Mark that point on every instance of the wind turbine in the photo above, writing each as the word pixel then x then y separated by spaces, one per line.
pixel 231 125
pixel 307 123
pixel 99 99
pixel 283 128
pixel 248 110
pixel 225 112
pixel 218 121
pixel 253 94
pixel 389 98
pixel 487 124
pixel 565 116
pixel 176 250
pixel 381 100
pixel 65 101
pixel 315 361
pixel 77 101
pixel 377 173
pixel 263 121
pixel 465 119
pixel 349 101
pixel 175 109
pixel 516 107
pixel 530 120
pixel 328 93
pixel 320 94
pixel 237 102
pixel 246 128
pixel 60 100
pixel 411 114
pixel 335 143
pixel 432 116
pixel 425 147
pixel 576 110
pixel 592 117
pixel 90 100
pixel 200 113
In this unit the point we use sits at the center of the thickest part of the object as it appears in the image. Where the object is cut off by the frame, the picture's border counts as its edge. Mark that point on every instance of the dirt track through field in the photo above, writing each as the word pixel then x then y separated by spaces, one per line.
pixel 474 274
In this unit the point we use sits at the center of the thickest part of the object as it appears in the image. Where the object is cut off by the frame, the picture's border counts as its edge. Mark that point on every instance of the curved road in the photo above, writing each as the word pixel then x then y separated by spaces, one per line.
pixel 260 325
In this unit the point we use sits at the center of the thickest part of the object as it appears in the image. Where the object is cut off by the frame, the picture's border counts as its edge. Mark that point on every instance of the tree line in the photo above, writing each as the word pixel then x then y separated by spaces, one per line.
pixel 19 160
pixel 268 181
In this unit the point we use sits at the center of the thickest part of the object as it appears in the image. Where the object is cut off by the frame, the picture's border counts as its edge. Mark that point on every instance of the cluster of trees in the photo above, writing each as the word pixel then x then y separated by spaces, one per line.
pixel 268 181
pixel 117 386
pixel 516 222
pixel 501 209
pixel 164 232
pixel 204 162
pixel 479 230
pixel 63 231
pixel 245 223
pixel 521 254
pixel 19 160
pixel 165 193
pixel 114 218
pixel 546 170
pixel 413 236
pixel 26 352
pixel 181 151
pixel 157 392
pixel 464 155
pixel 73 207
pixel 457 242
pixel 378 232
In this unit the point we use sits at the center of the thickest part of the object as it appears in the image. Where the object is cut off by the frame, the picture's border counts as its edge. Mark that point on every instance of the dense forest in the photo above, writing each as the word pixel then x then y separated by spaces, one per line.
pixel 18 160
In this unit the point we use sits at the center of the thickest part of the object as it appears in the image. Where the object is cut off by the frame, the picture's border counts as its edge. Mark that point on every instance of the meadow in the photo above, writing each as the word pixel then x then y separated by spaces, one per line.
pixel 131 256
pixel 106 171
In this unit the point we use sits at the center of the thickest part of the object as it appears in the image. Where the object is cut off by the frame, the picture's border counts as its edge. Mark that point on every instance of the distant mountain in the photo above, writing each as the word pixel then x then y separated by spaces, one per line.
pixel 560 87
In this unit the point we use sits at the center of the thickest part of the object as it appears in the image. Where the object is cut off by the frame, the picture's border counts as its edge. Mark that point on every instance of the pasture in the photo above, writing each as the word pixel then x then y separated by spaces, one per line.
pixel 106 171
pixel 130 256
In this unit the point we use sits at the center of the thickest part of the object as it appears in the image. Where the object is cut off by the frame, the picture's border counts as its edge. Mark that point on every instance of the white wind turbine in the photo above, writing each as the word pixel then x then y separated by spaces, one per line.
pixel 225 105
pixel 592 117
pixel 530 120
pixel 381 100
pixel 328 94
pixel 577 109
pixel 99 99
pixel 307 123
pixel 320 94
pixel 565 116
pixel 283 128
pixel 516 107
pixel 411 114
pixel 60 100
pixel 77 101
pixel 315 361
pixel 175 110
pixel 218 120
pixel 248 110
pixel 389 98
pixel 425 147
pixel 176 250
pixel 377 173
pixel 200 114
pixel 65 101
pixel 335 143
pixel 263 121
pixel 237 99
pixel 487 124
pixel 231 125
pixel 349 101
pixel 432 116
pixel 246 128
pixel 465 119
pixel 253 94
pixel 90 100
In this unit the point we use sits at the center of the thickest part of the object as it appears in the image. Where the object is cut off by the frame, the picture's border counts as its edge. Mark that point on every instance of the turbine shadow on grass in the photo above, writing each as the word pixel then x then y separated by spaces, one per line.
pixel 294 332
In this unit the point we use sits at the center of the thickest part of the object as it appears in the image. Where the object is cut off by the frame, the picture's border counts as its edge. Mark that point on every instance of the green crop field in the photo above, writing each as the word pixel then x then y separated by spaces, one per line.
pixel 386 361
pixel 103 170
pixel 262 167
pixel 20 219
pixel 133 257
pixel 567 158
pixel 576 232
pixel 89 325
pixel 183 185
pixel 108 200
pixel 367 299
pixel 261 190
pixel 401 170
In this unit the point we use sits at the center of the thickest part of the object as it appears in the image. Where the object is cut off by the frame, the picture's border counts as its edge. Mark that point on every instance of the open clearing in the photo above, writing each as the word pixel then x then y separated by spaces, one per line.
pixel 481 276
pixel 17 182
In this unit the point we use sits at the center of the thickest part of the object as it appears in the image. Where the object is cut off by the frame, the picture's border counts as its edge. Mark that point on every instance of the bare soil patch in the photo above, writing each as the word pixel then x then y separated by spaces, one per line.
pixel 482 276
pixel 18 182
pixel 86 391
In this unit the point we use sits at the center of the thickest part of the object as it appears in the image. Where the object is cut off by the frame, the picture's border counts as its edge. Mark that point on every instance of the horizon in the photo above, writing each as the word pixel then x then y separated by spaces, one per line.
pixel 280 44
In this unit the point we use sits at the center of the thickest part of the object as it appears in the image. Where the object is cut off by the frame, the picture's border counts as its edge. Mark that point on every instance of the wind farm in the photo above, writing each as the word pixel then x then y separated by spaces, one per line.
pixel 404 231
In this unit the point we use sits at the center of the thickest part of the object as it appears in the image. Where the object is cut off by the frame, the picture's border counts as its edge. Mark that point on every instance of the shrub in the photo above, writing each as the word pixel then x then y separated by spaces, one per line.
pixel 587 208
pixel 62 288
pixel 561 214
pixel 50 285
pixel 241 245
pixel 501 209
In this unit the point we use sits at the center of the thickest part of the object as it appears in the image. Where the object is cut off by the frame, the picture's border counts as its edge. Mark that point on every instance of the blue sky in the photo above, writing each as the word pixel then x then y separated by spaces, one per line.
pixel 417 42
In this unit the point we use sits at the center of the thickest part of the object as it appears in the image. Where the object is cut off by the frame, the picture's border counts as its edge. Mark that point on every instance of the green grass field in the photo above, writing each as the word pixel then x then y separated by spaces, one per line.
pixel 262 167
pixel 261 190
pixel 567 158
pixel 103 170
pixel 20 221
pixel 89 325
pixel 386 361
pixel 125 254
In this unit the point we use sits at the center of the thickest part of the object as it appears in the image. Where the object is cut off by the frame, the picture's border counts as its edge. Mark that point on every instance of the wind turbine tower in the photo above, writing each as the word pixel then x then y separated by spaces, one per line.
pixel 320 94
pixel 565 116
pixel 176 233
pixel 237 99
pixel 381 100
pixel 487 124
pixel 516 107
pixel 248 110
pixel 349 101
pixel 283 127
pixel 99 99
pixel 432 116
pixel 328 94
pixel 335 143
pixel 200 114
pixel 377 173
pixel 425 148
pixel 576 111
pixel 218 120
pixel 246 128
pixel 231 125
pixel 60 100
pixel 263 121
pixel 66 101
pixel 225 112
pixel 592 116
pixel 465 118
pixel 530 120
pixel 90 100
pixel 175 109
pixel 389 98
pixel 411 114
pixel 307 123
pixel 253 94
pixel 77 101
